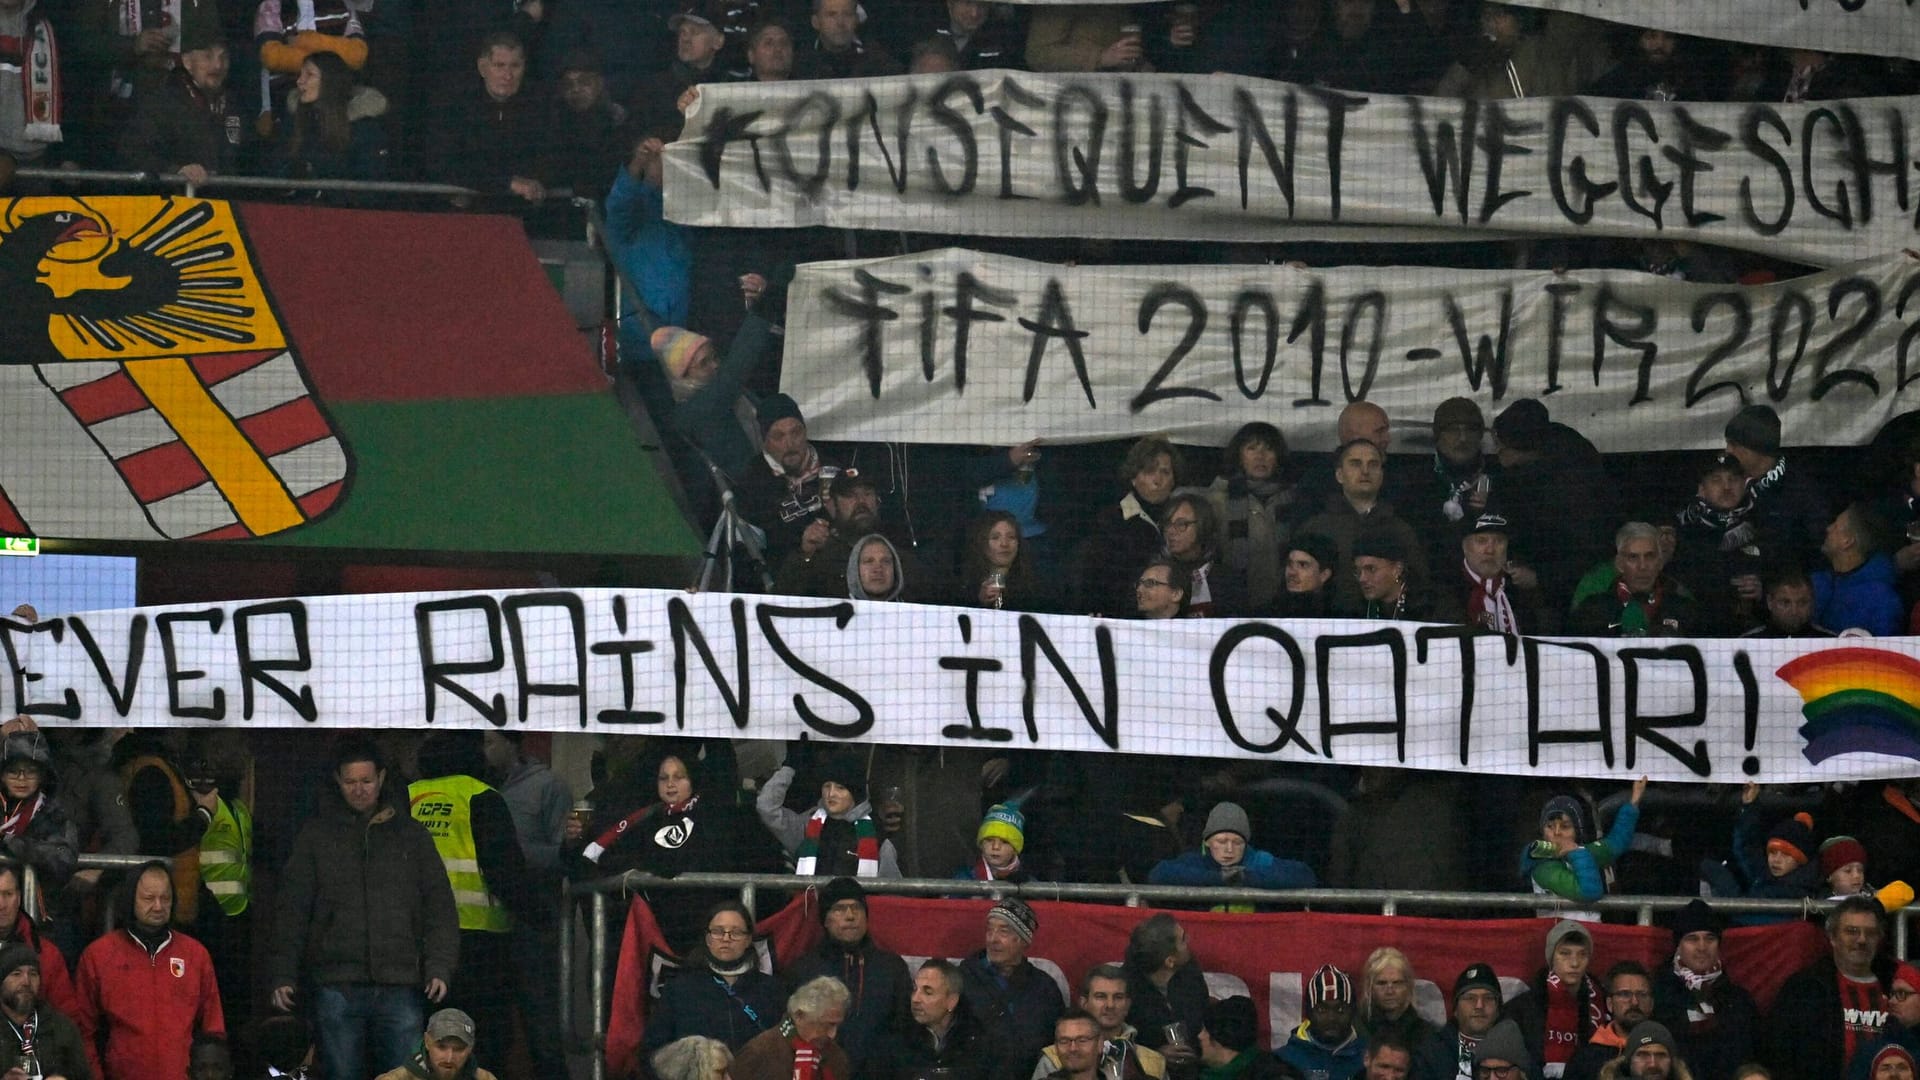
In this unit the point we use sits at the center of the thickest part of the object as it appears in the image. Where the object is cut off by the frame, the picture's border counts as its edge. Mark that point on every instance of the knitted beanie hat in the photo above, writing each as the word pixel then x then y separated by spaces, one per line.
pixel 1838 851
pixel 1793 837
pixel 676 348
pixel 1005 822
pixel 1227 817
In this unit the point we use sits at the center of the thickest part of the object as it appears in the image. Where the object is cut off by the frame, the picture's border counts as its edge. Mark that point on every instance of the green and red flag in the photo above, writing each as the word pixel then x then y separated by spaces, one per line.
pixel 190 369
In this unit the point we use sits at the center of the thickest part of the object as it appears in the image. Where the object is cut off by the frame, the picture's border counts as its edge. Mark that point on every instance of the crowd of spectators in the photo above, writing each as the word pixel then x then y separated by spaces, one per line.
pixel 852 1009
pixel 1512 523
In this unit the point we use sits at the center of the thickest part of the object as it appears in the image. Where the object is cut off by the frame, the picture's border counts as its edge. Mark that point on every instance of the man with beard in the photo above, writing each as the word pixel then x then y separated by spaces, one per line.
pixel 1105 996
pixel 1630 997
pixel 446 1052
pixel 33 1027
pixel 1650 1055
pixel 1476 1008
pixel 1480 591
pixel 1308 568
pixel 819 566
pixel 1076 1039
pixel 876 978
pixel 190 124
pixel 1657 71
pixel 16 928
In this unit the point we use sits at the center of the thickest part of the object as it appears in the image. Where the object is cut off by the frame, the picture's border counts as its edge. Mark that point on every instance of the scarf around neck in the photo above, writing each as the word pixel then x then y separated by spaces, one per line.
pixel 1488 597
pixel 20 815
pixel 984 872
pixel 35 55
pixel 866 845
pixel 1696 982
pixel 1596 998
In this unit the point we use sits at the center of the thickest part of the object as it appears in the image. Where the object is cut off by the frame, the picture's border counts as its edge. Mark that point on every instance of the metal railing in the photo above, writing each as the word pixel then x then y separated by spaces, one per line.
pixel 1643 909
pixel 249 183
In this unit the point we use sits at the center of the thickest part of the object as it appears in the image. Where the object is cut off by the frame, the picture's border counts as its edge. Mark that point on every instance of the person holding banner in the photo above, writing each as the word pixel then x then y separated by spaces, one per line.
pixel 1561 862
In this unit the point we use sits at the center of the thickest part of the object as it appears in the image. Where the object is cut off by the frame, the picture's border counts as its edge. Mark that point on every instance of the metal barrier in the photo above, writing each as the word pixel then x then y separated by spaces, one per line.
pixel 1642 908
pixel 250 183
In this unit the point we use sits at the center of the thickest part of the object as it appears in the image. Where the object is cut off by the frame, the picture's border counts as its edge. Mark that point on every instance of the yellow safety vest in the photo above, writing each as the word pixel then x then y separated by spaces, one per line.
pixel 226 856
pixel 445 806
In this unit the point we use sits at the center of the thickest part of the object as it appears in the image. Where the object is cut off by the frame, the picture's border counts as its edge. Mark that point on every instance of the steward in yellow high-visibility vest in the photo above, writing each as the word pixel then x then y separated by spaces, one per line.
pixel 472 828
pixel 444 805
pixel 226 856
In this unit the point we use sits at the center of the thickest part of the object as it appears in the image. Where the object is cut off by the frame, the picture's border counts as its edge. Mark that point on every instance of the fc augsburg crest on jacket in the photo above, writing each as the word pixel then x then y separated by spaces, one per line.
pixel 149 389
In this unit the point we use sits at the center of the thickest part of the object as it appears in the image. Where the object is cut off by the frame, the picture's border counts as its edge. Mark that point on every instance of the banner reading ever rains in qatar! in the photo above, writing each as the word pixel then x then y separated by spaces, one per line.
pixel 1342 692
pixel 965 347
pixel 1265 957
pixel 1235 159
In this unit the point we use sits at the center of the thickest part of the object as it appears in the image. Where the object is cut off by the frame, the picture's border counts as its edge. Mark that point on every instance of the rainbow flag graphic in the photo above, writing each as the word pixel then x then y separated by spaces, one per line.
pixel 1857 701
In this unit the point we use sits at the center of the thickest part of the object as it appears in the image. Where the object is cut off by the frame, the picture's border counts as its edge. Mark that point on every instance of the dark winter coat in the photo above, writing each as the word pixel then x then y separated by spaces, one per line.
pixel 698 1002
pixel 1529 1011
pixel 969 1054
pixel 1018 1012
pixel 364 900
pixel 881 987
pixel 1804 1038
pixel 1723 1042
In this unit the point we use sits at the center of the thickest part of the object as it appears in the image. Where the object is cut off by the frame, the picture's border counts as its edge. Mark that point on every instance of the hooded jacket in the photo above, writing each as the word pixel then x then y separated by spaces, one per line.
pixel 364 899
pixel 49 843
pixel 1315 1060
pixel 790 827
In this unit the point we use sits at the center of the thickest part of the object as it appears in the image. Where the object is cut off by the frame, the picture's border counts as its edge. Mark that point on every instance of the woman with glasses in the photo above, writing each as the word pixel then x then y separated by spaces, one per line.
pixel 33 827
pixel 1192 532
pixel 720 991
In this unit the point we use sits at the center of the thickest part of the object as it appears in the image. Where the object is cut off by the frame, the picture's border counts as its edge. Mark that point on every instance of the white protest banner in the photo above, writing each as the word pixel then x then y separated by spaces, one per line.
pixel 1872 27
pixel 1225 158
pixel 1357 692
pixel 957 346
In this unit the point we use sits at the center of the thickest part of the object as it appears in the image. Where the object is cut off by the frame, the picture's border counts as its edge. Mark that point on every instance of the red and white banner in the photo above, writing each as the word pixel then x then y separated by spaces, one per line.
pixel 1266 957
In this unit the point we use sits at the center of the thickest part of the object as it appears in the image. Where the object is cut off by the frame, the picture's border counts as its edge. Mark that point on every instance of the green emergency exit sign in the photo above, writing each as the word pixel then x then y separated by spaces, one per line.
pixel 20 545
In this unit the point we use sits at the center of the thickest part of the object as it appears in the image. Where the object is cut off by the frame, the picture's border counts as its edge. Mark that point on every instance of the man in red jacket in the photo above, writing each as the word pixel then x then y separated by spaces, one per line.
pixel 56 985
pixel 145 989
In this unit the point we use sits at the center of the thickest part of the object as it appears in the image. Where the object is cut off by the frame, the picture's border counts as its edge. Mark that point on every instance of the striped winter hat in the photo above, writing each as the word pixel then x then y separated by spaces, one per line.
pixel 676 348
pixel 1329 984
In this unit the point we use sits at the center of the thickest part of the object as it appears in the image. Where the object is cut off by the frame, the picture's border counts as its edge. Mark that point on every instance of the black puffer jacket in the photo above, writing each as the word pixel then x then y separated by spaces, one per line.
pixel 364 900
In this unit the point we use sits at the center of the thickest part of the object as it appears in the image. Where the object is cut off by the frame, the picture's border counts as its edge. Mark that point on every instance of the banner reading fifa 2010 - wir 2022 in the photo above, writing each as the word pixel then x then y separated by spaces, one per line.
pixel 1358 693
pixel 962 347
pixel 1225 158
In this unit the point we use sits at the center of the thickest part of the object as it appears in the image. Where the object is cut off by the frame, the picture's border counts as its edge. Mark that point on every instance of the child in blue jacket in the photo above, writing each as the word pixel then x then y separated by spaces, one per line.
pixel 1226 858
